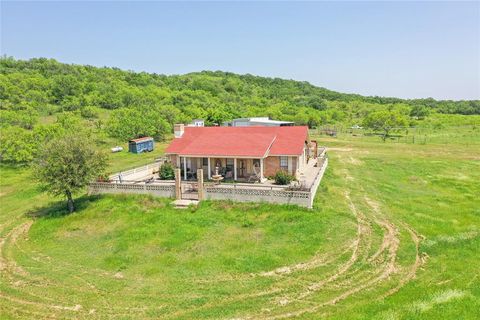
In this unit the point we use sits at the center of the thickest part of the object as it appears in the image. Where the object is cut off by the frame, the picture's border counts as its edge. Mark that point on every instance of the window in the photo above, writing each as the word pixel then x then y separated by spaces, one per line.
pixel 284 163
pixel 230 164
pixel 205 162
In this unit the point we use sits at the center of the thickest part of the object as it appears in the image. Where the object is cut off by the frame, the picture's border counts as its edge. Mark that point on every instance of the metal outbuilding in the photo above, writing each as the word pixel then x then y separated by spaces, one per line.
pixel 140 145
pixel 257 122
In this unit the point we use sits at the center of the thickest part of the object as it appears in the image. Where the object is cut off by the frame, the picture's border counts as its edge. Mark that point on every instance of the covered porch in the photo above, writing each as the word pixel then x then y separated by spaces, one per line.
pixel 230 168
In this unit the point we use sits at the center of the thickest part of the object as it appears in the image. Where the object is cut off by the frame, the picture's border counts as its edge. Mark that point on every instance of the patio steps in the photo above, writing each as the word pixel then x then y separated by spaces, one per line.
pixel 184 203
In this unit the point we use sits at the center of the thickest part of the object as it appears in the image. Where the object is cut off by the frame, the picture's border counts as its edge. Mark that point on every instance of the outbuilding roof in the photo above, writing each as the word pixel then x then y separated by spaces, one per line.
pixel 141 139
pixel 255 142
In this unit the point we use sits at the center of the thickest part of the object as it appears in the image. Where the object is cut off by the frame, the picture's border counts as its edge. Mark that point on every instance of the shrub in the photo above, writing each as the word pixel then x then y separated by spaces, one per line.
pixel 283 178
pixel 89 112
pixel 166 172
pixel 104 177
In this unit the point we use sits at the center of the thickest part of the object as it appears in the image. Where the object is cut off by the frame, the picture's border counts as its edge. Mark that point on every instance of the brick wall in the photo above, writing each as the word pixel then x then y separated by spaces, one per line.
pixel 173 159
pixel 270 166
pixel 294 166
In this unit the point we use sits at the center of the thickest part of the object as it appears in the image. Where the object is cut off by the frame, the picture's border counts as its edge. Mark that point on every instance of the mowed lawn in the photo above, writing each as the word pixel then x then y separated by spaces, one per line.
pixel 395 234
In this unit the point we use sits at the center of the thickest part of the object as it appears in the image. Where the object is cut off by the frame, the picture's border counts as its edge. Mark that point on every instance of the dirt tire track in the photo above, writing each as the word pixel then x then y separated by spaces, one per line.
pixel 420 259
pixel 363 229
pixel 7 265
pixel 10 267
pixel 390 242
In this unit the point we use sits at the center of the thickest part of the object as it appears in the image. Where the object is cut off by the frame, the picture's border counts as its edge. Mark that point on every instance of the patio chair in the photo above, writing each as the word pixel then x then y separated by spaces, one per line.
pixel 191 175
pixel 223 171
pixel 255 176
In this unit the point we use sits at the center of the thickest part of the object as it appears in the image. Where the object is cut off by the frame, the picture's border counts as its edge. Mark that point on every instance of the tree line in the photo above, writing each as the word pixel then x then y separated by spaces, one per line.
pixel 126 104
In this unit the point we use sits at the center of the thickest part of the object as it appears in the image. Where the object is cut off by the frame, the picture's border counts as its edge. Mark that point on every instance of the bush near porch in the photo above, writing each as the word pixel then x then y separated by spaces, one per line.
pixel 166 172
pixel 283 178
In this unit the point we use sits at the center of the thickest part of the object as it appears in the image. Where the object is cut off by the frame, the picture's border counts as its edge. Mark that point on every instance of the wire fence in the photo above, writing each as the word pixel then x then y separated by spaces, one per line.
pixel 465 134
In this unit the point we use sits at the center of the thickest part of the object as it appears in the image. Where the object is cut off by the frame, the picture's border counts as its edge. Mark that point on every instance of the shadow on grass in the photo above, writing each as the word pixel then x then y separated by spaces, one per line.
pixel 59 208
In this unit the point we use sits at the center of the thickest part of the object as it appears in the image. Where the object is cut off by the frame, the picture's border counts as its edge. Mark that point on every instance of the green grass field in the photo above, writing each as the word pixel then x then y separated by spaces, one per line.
pixel 394 234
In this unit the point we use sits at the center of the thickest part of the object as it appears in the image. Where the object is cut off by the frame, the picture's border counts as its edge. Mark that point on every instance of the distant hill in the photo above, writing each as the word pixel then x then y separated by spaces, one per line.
pixel 49 86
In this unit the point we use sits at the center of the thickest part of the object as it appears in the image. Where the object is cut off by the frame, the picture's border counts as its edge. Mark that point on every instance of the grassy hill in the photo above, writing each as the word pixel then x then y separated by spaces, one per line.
pixel 394 234
pixel 41 98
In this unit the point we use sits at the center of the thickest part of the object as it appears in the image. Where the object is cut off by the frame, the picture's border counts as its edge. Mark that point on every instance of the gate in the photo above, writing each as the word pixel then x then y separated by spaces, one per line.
pixel 189 190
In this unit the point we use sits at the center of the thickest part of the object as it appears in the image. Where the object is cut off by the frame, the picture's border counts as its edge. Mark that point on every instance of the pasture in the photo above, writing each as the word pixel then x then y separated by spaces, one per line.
pixel 394 234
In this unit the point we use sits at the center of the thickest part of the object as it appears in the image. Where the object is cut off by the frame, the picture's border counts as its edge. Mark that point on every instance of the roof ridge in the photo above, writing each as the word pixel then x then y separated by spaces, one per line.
pixel 270 146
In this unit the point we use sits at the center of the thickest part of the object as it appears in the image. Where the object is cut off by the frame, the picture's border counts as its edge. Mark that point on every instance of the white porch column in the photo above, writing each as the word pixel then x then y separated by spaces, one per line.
pixel 261 169
pixel 209 170
pixel 235 169
pixel 184 168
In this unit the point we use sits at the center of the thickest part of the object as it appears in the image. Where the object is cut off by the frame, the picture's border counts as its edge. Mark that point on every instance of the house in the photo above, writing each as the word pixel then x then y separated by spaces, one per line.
pixel 140 145
pixel 241 153
pixel 197 123
pixel 257 121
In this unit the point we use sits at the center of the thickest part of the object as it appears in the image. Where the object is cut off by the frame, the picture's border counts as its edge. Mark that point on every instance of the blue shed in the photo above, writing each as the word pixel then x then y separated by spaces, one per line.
pixel 140 145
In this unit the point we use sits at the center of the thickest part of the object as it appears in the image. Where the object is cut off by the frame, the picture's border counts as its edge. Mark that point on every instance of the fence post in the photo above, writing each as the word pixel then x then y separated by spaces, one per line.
pixel 178 184
pixel 200 184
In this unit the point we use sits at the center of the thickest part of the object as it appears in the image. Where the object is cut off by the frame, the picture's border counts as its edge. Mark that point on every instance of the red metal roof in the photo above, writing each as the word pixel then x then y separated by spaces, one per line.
pixel 141 139
pixel 256 142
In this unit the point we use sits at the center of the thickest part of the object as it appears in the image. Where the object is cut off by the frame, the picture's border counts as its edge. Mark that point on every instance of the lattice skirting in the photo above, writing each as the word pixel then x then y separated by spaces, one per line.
pixel 167 191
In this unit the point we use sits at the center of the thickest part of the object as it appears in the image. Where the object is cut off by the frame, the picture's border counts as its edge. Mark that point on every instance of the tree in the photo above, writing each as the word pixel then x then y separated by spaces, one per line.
pixel 419 111
pixel 66 165
pixel 17 145
pixel 130 123
pixel 385 121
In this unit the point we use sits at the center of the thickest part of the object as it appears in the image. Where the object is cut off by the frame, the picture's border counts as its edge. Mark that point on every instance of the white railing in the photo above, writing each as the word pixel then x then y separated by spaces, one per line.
pixel 317 180
pixel 128 175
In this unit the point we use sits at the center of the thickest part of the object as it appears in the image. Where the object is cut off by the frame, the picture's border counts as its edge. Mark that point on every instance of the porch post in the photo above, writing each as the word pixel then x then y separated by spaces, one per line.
pixel 235 169
pixel 261 169
pixel 178 161
pixel 184 168
pixel 209 170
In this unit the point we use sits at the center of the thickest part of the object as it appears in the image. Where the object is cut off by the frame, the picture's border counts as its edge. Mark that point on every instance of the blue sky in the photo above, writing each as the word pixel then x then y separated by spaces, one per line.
pixel 403 49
